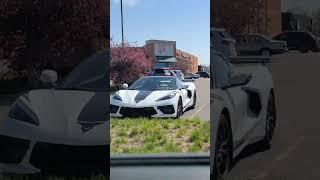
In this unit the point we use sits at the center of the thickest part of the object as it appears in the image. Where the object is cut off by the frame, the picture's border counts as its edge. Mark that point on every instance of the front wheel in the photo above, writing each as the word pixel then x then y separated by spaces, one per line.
pixel 265 52
pixel 223 152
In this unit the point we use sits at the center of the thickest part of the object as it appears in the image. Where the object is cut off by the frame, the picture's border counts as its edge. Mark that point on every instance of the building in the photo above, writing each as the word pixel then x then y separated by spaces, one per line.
pixel 165 54
pixel 247 16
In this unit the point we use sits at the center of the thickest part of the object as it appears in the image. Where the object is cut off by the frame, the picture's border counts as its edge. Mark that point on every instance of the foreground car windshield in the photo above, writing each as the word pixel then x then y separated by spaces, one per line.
pixel 90 75
pixel 154 84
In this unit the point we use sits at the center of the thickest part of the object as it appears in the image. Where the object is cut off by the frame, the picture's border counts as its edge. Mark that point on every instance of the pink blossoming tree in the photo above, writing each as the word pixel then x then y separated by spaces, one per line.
pixel 128 63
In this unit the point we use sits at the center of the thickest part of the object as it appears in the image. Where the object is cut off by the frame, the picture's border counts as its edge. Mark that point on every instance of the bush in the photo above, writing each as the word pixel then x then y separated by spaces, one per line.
pixel 128 63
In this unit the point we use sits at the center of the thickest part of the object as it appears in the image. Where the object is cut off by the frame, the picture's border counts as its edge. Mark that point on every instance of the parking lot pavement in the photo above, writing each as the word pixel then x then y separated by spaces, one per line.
pixel 295 151
pixel 202 109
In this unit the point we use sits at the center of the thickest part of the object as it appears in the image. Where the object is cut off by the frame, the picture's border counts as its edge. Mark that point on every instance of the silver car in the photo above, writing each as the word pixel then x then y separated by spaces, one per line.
pixel 258 44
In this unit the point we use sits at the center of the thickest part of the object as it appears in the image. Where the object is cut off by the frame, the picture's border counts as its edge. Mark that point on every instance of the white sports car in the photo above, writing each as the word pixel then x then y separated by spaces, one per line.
pixel 58 129
pixel 243 108
pixel 154 96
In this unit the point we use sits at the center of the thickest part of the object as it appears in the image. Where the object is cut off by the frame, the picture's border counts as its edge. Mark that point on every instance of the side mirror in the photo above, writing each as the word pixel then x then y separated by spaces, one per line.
pixel 238 80
pixel 185 86
pixel 49 77
pixel 125 86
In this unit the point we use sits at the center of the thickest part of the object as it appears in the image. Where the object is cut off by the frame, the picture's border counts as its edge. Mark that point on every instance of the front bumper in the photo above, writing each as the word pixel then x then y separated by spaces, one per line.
pixel 165 109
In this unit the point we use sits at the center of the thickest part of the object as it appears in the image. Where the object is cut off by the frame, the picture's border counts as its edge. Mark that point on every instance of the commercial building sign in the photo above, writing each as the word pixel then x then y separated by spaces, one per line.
pixel 164 49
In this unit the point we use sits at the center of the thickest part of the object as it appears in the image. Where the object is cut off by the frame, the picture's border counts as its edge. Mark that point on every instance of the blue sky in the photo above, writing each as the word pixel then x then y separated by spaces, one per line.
pixel 185 21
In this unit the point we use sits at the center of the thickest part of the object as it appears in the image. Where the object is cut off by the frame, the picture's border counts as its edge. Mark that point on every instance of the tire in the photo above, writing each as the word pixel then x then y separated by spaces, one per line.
pixel 179 109
pixel 194 100
pixel 270 122
pixel 265 52
pixel 223 150
pixel 303 49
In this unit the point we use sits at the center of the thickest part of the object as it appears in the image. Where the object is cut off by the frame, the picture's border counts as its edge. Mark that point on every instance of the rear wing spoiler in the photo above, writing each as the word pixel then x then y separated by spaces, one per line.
pixel 249 59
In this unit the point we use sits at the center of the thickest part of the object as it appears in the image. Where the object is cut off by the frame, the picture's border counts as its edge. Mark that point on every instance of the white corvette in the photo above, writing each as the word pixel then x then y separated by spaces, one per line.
pixel 154 96
pixel 58 129
pixel 243 108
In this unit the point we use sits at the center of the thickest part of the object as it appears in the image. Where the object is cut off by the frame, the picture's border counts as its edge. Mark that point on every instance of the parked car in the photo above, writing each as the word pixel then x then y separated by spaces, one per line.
pixel 242 106
pixel 154 96
pixel 301 41
pixel 258 44
pixel 192 76
pixel 179 73
pixel 223 42
pixel 162 72
pixel 203 74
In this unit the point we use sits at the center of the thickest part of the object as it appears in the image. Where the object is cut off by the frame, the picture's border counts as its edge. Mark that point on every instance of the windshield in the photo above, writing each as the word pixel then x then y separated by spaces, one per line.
pixel 154 84
pixel 89 75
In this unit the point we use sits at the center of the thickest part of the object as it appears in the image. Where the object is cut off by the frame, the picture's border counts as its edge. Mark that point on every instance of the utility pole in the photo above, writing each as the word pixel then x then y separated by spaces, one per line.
pixel 122 23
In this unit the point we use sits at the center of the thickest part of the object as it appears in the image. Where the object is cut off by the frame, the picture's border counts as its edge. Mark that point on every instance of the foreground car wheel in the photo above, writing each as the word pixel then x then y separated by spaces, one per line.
pixel 179 109
pixel 223 152
pixel 270 122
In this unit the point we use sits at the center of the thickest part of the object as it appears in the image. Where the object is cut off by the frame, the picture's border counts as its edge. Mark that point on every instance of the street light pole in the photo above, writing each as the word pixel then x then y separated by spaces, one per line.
pixel 122 22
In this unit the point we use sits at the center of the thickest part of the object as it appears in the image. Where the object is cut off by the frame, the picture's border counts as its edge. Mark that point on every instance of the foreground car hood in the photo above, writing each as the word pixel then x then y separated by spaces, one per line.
pixel 69 117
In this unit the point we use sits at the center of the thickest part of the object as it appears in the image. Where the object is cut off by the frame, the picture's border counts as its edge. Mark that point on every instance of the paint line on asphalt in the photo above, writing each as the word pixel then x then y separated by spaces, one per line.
pixel 281 157
pixel 199 110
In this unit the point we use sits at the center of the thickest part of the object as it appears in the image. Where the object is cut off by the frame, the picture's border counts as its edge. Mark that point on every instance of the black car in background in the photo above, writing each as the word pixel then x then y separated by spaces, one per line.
pixel 203 74
pixel 301 41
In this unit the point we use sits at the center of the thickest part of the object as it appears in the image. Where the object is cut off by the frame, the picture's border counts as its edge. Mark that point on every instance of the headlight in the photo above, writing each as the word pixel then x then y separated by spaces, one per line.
pixel 116 96
pixel 169 96
pixel 21 112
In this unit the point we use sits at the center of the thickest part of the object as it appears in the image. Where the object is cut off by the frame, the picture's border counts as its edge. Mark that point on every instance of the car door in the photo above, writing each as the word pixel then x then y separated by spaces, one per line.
pixel 184 92
pixel 234 98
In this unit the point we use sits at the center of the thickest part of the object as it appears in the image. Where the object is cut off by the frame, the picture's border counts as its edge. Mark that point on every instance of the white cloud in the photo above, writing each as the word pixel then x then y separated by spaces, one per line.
pixel 130 3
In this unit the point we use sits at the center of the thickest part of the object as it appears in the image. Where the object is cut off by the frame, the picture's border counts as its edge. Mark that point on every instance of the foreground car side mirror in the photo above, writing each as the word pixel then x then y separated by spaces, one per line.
pixel 49 77
pixel 185 86
pixel 238 80
pixel 125 86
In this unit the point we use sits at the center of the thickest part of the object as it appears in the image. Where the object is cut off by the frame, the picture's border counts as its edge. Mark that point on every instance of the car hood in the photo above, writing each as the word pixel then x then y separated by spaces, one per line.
pixel 136 97
pixel 65 116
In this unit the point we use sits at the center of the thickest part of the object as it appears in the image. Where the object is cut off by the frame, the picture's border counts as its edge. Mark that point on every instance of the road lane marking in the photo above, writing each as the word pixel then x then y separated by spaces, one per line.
pixel 199 110
pixel 281 157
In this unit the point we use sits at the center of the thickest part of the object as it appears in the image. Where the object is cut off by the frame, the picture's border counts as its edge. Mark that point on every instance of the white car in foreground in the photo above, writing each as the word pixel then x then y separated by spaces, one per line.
pixel 154 96
pixel 62 129
pixel 243 108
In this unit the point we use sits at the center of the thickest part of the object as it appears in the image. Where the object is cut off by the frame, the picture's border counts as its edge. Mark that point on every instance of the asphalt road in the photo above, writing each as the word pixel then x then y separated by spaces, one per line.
pixel 202 109
pixel 295 153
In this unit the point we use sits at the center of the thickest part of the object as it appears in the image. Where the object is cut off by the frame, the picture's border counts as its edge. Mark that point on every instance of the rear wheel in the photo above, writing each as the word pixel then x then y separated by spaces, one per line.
pixel 223 152
pixel 194 100
pixel 179 109
pixel 270 122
